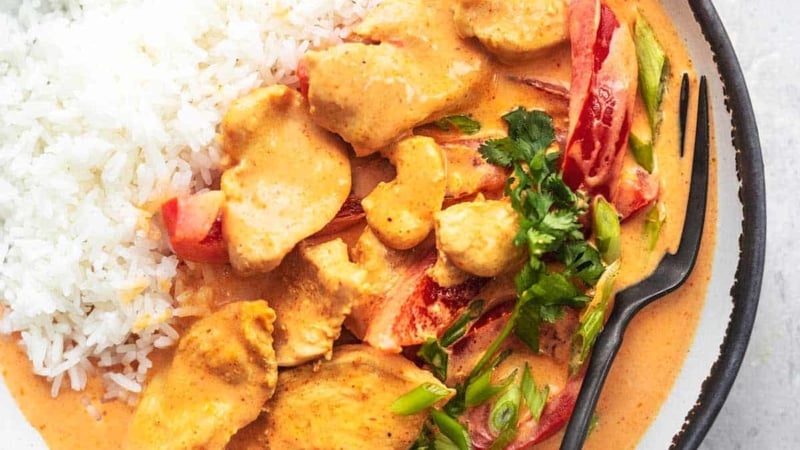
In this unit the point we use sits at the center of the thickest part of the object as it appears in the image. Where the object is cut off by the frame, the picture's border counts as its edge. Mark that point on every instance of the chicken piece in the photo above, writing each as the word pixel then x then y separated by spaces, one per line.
pixel 478 237
pixel 290 178
pixel 366 174
pixel 385 268
pixel 513 30
pixel 410 67
pixel 468 173
pixel 360 384
pixel 319 287
pixel 312 292
pixel 401 211
pixel 445 273
pixel 222 373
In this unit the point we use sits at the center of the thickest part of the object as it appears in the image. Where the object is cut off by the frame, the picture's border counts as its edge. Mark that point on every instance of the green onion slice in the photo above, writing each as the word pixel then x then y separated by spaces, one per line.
pixel 535 398
pixel 436 356
pixel 593 318
pixel 459 328
pixel 642 152
pixel 652 224
pixel 419 398
pixel 452 429
pixel 504 415
pixel 481 388
pixel 653 69
pixel 607 230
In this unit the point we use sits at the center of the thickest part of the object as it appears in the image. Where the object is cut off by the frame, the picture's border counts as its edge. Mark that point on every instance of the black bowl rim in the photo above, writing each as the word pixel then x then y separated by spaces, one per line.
pixel 752 242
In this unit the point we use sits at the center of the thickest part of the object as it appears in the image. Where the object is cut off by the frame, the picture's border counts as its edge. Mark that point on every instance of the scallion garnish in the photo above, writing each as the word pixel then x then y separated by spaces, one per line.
pixel 459 328
pixel 607 230
pixel 423 396
pixel 652 224
pixel 642 150
pixel 504 415
pixel 534 397
pixel 653 69
pixel 452 429
pixel 432 352
pixel 481 389
pixel 593 318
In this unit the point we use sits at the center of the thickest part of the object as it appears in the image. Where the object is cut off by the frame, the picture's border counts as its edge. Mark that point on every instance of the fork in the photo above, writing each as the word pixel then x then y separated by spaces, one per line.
pixel 671 272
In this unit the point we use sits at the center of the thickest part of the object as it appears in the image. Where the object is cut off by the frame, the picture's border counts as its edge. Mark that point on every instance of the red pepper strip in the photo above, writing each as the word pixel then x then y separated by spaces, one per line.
pixel 302 76
pixel 194 226
pixel 417 308
pixel 602 96
pixel 635 190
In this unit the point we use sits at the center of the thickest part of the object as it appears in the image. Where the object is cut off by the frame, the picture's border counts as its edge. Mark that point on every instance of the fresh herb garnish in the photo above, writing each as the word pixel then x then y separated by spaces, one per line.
pixel 652 224
pixel 550 230
pixel 435 356
pixel 423 396
pixel 607 230
pixel 549 227
pixel 452 430
pixel 465 124
pixel 534 397
pixel 433 351
pixel 653 69
pixel 593 318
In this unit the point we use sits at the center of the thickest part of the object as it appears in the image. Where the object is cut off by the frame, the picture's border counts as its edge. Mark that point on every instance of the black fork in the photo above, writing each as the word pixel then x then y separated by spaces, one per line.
pixel 671 272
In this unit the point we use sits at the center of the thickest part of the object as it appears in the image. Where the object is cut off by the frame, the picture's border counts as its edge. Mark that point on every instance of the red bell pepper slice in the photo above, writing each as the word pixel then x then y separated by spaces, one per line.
pixel 302 78
pixel 416 307
pixel 194 226
pixel 602 97
pixel 635 190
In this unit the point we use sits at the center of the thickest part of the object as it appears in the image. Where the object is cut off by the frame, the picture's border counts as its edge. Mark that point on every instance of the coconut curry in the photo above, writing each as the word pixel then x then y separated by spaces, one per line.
pixel 366 225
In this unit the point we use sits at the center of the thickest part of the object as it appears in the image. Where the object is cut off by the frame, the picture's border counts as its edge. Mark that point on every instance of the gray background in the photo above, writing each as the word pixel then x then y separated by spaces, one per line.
pixel 762 411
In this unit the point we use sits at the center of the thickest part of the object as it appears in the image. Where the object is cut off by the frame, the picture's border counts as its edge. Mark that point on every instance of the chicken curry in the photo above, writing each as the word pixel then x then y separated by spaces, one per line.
pixel 359 278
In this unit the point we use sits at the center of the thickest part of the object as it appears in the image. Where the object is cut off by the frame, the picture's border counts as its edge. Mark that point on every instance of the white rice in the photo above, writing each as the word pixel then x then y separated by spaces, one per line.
pixel 107 108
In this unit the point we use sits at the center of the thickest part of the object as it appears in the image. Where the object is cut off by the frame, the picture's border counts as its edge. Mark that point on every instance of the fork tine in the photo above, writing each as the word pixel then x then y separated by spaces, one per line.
pixel 698 188
pixel 684 109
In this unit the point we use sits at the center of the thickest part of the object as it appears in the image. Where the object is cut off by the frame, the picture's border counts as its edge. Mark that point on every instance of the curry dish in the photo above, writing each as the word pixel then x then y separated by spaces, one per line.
pixel 359 277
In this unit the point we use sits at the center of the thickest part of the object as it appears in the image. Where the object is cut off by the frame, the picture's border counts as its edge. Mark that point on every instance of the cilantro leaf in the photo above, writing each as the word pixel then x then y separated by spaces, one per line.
pixel 465 124
pixel 583 262
pixel 498 151
pixel 528 325
pixel 534 130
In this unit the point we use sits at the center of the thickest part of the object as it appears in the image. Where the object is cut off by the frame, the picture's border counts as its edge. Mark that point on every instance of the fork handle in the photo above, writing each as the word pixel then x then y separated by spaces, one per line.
pixel 603 354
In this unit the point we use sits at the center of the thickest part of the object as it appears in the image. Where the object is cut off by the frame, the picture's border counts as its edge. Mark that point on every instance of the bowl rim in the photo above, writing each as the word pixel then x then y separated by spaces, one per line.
pixel 746 288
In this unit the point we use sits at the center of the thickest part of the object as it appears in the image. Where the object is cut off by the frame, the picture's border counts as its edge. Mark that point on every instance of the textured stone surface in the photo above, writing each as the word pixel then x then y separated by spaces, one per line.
pixel 762 411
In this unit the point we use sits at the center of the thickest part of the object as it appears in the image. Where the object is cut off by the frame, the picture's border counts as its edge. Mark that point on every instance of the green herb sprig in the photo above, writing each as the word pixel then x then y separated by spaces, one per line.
pixel 465 124
pixel 549 212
